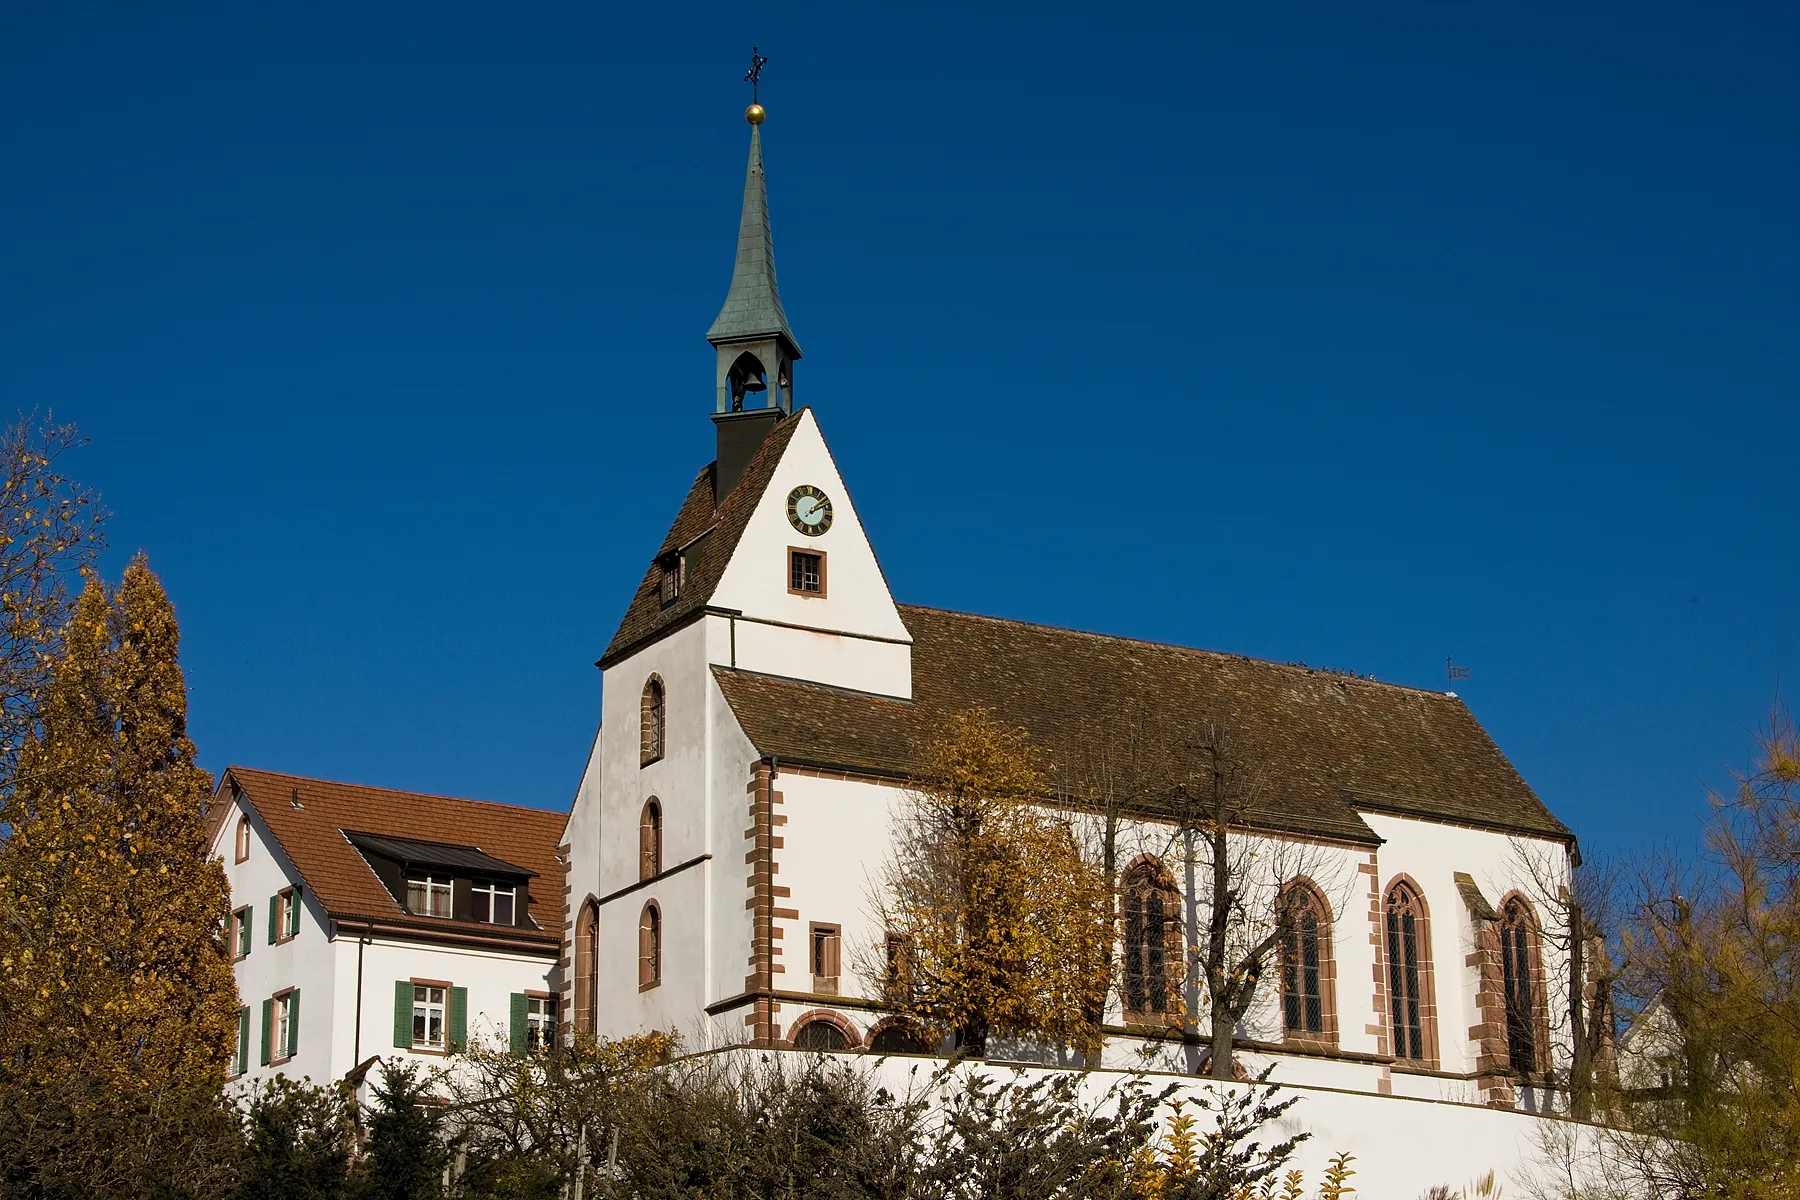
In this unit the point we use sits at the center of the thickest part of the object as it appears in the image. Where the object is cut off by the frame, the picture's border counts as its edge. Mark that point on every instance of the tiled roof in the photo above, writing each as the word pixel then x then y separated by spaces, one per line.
pixel 313 838
pixel 1324 744
pixel 708 536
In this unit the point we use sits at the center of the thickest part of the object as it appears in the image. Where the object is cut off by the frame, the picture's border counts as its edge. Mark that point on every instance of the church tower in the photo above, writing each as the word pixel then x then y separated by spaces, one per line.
pixel 751 338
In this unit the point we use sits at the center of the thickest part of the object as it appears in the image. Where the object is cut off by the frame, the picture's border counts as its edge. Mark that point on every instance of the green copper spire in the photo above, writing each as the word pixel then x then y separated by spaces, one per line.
pixel 752 310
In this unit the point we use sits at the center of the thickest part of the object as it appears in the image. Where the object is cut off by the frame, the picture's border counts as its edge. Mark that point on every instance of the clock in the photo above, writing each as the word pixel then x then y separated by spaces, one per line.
pixel 809 510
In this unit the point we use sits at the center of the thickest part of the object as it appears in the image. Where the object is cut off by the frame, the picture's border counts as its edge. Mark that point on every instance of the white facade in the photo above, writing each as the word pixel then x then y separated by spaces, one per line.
pixel 829 830
pixel 347 1009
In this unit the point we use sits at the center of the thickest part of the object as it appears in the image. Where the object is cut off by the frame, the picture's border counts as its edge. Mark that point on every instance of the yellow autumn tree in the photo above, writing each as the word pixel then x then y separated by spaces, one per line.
pixel 116 989
pixel 996 923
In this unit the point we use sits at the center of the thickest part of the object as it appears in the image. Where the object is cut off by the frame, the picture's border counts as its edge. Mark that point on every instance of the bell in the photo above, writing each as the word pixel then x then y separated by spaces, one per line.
pixel 755 384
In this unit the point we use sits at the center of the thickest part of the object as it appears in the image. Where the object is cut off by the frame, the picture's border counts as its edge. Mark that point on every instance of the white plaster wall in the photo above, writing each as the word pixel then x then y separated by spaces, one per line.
pixel 491 977
pixel 587 816
pixel 856 596
pixel 836 659
pixel 1431 854
pixel 304 961
pixel 731 764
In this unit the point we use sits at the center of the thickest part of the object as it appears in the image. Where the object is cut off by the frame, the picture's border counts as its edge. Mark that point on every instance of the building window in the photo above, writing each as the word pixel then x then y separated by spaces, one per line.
pixel 1518 959
pixel 655 723
pixel 540 1022
pixel 287 1025
pixel 649 947
pixel 1152 939
pixel 240 933
pixel 669 578
pixel 820 1035
pixel 430 1016
pixel 587 966
pixel 428 895
pixel 900 1037
pixel 1306 966
pixel 243 839
pixel 899 980
pixel 1409 972
pixel 806 572
pixel 650 840
pixel 284 915
pixel 826 941
pixel 492 903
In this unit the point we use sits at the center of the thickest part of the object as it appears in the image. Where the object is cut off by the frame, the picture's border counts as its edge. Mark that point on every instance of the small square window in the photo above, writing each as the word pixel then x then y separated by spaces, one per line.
pixel 806 572
pixel 492 903
pixel 428 895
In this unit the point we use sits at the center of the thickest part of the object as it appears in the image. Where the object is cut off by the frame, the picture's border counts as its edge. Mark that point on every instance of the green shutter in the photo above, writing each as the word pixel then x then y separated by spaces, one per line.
pixel 403 998
pixel 516 1030
pixel 268 1028
pixel 274 908
pixel 249 924
pixel 243 1054
pixel 293 1022
pixel 459 1018
pixel 293 929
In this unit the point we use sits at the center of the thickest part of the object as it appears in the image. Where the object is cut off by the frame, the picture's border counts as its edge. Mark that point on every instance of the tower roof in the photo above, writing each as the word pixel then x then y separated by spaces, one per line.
pixel 753 305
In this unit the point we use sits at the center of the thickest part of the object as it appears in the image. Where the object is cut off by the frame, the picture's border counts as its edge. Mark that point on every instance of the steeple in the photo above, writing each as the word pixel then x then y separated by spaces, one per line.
pixel 756 346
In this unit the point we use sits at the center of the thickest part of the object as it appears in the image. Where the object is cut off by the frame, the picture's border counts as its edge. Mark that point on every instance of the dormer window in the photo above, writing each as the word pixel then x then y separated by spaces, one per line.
pixel 669 578
pixel 492 903
pixel 428 895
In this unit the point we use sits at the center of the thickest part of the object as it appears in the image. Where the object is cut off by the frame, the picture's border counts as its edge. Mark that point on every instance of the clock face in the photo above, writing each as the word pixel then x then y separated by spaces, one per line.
pixel 809 510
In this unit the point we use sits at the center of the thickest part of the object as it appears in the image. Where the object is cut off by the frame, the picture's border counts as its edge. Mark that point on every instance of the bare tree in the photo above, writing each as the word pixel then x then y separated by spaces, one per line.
pixel 1237 878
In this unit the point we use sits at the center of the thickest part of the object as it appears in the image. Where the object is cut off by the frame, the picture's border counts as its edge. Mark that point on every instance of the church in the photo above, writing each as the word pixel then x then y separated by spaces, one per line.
pixel 764 700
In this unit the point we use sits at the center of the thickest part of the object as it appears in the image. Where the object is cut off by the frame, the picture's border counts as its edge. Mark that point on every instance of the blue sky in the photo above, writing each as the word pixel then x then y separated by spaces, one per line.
pixel 1358 335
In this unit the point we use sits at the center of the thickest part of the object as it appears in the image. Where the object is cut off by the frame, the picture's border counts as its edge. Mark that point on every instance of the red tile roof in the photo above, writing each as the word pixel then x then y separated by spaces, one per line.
pixel 308 817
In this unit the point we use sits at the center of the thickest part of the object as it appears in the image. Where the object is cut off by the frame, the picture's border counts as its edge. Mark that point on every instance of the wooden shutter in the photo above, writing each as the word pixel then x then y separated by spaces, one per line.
pixel 274 912
pixel 249 928
pixel 459 1017
pixel 243 1053
pixel 293 1042
pixel 268 1028
pixel 403 1000
pixel 515 1031
pixel 293 913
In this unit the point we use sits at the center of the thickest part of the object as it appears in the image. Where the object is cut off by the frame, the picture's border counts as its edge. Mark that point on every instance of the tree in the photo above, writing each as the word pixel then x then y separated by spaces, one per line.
pixel 997 923
pixel 298 1142
pixel 50 531
pixel 114 969
pixel 1238 880
pixel 407 1154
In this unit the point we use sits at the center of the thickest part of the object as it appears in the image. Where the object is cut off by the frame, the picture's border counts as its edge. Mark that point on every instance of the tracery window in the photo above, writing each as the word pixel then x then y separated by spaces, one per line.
pixel 650 840
pixel 1305 947
pixel 655 722
pixel 650 947
pixel 1152 940
pixel 1409 965
pixel 1518 958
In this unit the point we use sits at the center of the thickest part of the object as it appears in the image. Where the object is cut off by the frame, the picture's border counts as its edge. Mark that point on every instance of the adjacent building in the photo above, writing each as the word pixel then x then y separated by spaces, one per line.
pixel 370 923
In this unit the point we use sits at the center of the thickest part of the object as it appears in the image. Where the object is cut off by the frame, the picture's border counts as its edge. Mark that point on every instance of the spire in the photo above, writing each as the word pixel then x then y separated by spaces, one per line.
pixel 752 310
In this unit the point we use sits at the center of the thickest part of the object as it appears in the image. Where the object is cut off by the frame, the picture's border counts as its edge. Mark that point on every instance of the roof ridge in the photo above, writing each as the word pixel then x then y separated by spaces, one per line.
pixel 1178 648
pixel 374 787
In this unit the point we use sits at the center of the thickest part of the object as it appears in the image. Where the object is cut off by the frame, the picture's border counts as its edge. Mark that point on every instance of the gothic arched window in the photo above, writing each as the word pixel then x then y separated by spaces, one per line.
pixel 1519 966
pixel 1307 991
pixel 1152 940
pixel 655 716
pixel 1409 972
pixel 649 947
pixel 650 840
pixel 587 967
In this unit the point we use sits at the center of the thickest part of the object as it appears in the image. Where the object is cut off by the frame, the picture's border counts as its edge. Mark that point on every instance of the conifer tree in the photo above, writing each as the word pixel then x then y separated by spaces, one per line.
pixel 113 968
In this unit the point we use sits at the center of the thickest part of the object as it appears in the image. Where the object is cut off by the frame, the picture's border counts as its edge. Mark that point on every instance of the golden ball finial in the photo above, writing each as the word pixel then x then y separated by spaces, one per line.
pixel 755 114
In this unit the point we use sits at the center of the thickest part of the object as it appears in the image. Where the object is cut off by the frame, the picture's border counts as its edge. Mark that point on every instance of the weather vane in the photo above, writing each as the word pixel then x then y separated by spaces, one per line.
pixel 754 76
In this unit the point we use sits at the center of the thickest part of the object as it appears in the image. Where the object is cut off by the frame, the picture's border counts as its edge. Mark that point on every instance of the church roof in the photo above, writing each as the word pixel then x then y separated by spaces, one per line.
pixel 707 537
pixel 313 821
pixel 753 305
pixel 1324 745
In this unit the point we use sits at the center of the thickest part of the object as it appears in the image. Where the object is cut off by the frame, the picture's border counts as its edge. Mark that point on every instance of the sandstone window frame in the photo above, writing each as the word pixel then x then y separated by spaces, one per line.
pixel 1308 989
pixel 1150 964
pixel 653 712
pixel 650 840
pixel 1411 984
pixel 1522 985
pixel 650 946
pixel 587 968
